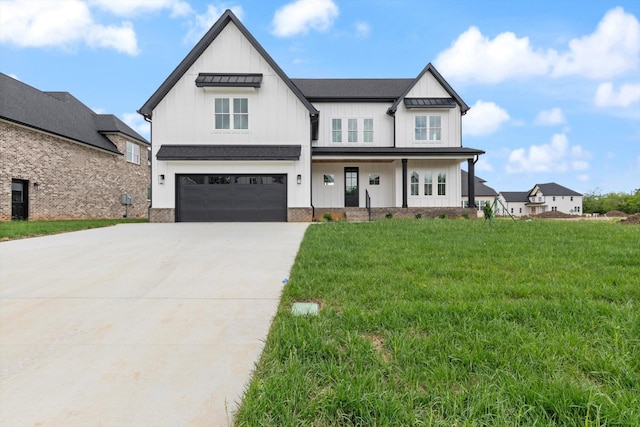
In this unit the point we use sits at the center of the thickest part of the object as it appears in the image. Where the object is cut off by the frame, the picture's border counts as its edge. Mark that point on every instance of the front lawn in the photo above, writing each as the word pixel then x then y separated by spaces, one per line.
pixel 456 323
pixel 19 229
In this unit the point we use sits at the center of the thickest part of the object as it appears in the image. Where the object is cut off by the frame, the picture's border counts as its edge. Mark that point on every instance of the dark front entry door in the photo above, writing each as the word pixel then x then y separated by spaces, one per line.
pixel 19 199
pixel 351 190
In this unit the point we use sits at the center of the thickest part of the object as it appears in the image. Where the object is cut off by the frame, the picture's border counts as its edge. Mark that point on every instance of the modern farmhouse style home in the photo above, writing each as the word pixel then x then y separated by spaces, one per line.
pixel 235 139
pixel 549 197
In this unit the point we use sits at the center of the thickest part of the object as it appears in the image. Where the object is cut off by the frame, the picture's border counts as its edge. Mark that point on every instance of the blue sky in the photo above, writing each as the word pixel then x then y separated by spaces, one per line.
pixel 554 86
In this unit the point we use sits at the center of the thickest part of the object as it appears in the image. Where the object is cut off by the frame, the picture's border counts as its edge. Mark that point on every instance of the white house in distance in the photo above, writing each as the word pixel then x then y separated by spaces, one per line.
pixel 235 139
pixel 541 198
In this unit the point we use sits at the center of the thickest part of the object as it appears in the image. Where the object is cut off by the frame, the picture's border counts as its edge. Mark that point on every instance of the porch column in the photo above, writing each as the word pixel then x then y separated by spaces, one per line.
pixel 471 183
pixel 404 183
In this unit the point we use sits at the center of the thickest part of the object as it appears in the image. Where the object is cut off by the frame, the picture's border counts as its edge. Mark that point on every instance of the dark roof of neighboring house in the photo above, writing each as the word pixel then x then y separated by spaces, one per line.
pixel 227 17
pixel 319 90
pixel 553 189
pixel 515 196
pixel 229 152
pixel 480 188
pixel 59 113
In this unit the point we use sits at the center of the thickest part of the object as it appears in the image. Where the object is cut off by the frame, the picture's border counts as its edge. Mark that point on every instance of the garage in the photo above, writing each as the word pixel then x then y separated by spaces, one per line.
pixel 231 198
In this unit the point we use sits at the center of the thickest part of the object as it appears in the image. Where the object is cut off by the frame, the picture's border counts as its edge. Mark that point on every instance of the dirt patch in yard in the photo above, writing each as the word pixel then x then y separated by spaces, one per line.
pixel 632 219
pixel 554 214
pixel 616 214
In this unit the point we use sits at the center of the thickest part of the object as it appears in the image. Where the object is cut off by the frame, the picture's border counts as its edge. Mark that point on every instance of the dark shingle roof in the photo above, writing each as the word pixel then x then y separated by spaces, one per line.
pixel 553 189
pixel 229 152
pixel 480 188
pixel 515 196
pixel 395 151
pixel 352 89
pixel 228 80
pixel 227 17
pixel 59 113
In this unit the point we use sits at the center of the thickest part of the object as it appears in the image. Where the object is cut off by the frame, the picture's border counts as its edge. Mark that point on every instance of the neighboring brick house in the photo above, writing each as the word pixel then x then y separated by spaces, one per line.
pixel 59 159
pixel 235 139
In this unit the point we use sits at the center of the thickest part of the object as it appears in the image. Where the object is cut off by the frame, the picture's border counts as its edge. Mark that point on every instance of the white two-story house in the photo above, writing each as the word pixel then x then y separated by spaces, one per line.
pixel 235 139
pixel 549 197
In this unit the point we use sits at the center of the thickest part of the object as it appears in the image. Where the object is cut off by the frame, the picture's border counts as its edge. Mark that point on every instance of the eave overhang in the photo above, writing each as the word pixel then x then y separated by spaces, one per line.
pixel 394 153
pixel 228 152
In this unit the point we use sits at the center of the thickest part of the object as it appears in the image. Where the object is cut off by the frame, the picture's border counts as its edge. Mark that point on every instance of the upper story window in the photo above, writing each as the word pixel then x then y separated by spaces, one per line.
pixel 133 153
pixel 353 130
pixel 428 128
pixel 336 130
pixel 225 108
pixel 368 130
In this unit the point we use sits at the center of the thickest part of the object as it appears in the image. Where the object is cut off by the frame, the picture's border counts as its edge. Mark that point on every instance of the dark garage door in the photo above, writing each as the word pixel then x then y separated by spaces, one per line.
pixel 231 198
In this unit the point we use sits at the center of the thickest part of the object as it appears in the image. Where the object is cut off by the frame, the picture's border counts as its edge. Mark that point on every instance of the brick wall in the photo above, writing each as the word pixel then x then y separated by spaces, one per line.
pixel 75 181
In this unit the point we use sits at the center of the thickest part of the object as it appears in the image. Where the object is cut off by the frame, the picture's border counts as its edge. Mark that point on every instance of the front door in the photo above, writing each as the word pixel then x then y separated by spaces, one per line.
pixel 351 190
pixel 19 199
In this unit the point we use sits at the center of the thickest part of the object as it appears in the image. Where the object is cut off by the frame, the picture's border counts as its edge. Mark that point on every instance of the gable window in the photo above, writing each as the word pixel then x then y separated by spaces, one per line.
pixel 336 130
pixel 442 184
pixel 374 179
pixel 222 110
pixel 368 130
pixel 352 134
pixel 133 153
pixel 415 183
pixel 428 184
pixel 329 179
pixel 428 128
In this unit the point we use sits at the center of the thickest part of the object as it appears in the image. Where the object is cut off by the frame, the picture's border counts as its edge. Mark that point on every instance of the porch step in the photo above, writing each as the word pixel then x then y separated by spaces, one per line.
pixel 356 214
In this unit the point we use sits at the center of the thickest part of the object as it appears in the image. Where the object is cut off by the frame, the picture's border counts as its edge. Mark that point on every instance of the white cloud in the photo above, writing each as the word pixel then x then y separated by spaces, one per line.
pixel 606 96
pixel 484 118
pixel 557 156
pixel 301 16
pixel 612 50
pixel 475 58
pixel 60 24
pixel 136 7
pixel 552 117
pixel 202 23
pixel 583 177
pixel 362 29
pixel 137 123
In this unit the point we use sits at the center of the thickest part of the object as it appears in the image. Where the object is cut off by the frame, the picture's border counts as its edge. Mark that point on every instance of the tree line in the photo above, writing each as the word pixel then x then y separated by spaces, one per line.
pixel 595 202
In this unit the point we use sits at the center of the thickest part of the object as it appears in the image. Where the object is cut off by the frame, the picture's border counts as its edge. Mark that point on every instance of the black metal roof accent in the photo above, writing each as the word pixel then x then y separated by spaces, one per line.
pixel 227 17
pixel 481 189
pixel 431 69
pixel 228 80
pixel 553 189
pixel 429 103
pixel 229 152
pixel 352 90
pixel 394 151
pixel 60 114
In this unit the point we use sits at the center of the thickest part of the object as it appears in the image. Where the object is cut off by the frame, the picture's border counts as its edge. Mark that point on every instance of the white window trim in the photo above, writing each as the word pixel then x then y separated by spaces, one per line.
pixel 435 183
pixel 133 155
pixel 347 133
pixel 427 129
pixel 232 115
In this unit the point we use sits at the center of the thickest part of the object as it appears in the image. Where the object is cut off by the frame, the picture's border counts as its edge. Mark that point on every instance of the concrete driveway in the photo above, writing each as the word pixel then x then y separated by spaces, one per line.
pixel 137 324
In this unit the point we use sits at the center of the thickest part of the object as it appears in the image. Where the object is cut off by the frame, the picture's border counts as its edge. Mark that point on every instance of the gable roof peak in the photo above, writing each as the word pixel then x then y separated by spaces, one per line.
pixel 228 16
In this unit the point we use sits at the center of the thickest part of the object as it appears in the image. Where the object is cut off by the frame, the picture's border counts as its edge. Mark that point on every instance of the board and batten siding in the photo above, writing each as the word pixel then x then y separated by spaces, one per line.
pixel 382 123
pixel 186 116
pixel 453 184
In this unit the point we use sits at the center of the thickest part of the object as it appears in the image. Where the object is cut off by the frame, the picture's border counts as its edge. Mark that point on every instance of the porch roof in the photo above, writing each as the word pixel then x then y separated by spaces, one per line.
pixel 394 152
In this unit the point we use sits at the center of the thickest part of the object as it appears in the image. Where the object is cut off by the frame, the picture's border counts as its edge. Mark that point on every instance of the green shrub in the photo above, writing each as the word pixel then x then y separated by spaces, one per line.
pixel 327 217
pixel 389 215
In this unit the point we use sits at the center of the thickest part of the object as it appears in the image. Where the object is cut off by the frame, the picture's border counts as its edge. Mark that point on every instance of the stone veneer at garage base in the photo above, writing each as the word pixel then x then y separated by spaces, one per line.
pixel 168 215
pixel 75 181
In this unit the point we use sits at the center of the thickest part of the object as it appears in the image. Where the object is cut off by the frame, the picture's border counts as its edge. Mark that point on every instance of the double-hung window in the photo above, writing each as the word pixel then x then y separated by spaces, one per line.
pixel 133 153
pixel 442 184
pixel 428 128
pixel 352 135
pixel 225 108
pixel 336 130
pixel 428 184
pixel 415 184
pixel 368 130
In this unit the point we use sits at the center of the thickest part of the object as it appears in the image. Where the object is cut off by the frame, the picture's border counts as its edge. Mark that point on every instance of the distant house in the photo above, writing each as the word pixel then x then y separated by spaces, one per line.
pixel 550 197
pixel 62 160
pixel 235 139
pixel 484 194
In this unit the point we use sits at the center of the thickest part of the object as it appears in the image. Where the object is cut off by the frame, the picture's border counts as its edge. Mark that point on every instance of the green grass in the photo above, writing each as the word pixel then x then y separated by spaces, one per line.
pixel 20 229
pixel 456 323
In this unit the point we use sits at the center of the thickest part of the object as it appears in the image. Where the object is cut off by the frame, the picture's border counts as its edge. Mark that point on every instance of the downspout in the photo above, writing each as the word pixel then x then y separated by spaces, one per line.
pixel 317 123
pixel 150 160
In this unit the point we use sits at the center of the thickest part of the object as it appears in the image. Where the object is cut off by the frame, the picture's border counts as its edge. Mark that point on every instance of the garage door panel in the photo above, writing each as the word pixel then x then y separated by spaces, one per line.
pixel 229 198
